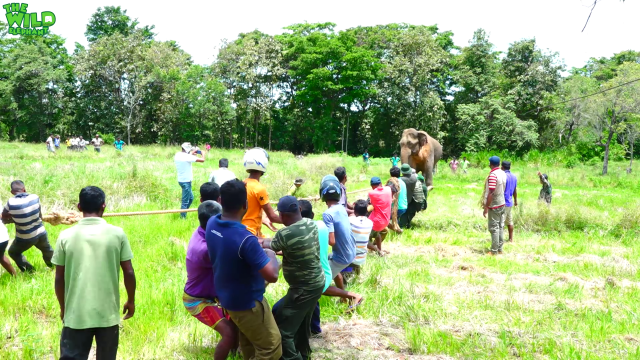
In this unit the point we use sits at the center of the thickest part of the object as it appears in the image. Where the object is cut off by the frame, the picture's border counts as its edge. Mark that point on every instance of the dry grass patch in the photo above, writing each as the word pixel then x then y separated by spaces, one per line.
pixel 363 339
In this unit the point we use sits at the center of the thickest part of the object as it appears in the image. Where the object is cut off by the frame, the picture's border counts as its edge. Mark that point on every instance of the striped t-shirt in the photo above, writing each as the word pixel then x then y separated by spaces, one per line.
pixel 361 228
pixel 25 210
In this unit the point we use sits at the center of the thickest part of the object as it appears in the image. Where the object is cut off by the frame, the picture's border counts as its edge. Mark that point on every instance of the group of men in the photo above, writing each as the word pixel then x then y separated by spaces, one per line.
pixel 77 143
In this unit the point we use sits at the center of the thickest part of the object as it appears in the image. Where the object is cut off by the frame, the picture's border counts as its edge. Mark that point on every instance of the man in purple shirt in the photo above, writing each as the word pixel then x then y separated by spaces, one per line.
pixel 510 197
pixel 200 297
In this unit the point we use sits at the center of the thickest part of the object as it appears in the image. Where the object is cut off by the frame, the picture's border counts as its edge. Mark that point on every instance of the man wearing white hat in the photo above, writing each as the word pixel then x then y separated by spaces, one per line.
pixel 183 161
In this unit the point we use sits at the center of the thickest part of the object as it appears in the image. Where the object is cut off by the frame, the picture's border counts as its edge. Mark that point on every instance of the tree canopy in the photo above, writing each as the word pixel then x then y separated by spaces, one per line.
pixel 312 88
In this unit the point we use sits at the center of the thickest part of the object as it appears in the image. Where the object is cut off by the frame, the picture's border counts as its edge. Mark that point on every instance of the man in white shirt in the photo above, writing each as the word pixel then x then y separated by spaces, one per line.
pixel 50 145
pixel 223 174
pixel 184 160
pixel 4 241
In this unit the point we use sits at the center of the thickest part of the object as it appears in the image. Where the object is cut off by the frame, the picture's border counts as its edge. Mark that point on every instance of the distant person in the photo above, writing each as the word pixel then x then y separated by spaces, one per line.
pixel 68 143
pixel 395 160
pixel 302 269
pixel 4 242
pixel 256 161
pixel 240 268
pixel 222 174
pixel 453 164
pixel 50 145
pixel 361 228
pixel 510 197
pixel 83 144
pixel 183 161
pixel 296 185
pixel 545 192
pixel 88 260
pixel 207 147
pixel 23 209
pixel 341 173
pixel 209 191
pixel 493 202
pixel 410 179
pixel 74 143
pixel 119 144
pixel 97 143
pixel 365 157
pixel 380 199
pixel 56 142
pixel 465 164
pixel 200 296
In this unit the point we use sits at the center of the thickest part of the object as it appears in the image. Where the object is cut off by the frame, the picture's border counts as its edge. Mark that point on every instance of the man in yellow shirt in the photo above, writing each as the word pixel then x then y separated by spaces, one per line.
pixel 256 161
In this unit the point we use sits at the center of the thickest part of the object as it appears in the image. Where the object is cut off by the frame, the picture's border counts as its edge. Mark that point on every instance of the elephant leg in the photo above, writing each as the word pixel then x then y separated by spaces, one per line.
pixel 428 175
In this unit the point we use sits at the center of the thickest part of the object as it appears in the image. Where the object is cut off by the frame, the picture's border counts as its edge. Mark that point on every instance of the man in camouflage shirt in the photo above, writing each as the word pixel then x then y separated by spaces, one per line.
pixel 300 246
pixel 545 192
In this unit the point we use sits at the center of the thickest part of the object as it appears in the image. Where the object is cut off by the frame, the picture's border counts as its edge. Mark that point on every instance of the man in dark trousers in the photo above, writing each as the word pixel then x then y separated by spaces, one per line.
pixel 410 179
pixel 88 259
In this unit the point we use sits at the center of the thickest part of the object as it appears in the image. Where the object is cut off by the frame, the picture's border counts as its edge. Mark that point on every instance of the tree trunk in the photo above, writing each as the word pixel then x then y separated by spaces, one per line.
pixel 270 127
pixel 631 151
pixel 245 136
pixel 605 165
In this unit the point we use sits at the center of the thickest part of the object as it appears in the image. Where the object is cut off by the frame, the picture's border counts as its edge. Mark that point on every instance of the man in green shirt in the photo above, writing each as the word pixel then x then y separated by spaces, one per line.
pixel 88 258
pixel 300 246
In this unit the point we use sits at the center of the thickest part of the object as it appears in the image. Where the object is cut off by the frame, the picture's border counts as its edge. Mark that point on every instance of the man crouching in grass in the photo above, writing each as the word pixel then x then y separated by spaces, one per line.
pixel 200 297
pixel 88 258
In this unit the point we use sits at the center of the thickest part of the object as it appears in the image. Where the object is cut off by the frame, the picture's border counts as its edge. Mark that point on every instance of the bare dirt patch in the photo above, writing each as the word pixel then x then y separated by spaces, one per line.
pixel 364 339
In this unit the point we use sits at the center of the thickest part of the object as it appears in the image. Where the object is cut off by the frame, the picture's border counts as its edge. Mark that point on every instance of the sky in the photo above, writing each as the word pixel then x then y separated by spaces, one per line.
pixel 199 26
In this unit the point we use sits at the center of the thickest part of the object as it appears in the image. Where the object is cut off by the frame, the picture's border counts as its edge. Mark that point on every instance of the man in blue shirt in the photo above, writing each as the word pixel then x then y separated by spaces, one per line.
pixel 240 267
pixel 341 239
pixel 510 197
pixel 118 144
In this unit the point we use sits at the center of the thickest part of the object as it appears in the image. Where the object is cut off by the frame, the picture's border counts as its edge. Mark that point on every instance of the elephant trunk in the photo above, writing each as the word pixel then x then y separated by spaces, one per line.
pixel 405 154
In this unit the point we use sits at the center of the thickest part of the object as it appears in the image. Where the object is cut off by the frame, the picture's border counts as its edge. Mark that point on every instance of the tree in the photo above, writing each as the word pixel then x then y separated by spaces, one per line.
pixel 574 87
pixel 610 112
pixel 111 20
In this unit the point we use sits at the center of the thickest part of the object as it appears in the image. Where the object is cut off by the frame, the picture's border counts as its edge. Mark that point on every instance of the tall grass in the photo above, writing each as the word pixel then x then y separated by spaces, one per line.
pixel 566 288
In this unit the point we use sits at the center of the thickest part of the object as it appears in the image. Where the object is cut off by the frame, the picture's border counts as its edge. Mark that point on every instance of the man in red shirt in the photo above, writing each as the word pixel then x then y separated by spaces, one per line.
pixel 380 199
pixel 493 202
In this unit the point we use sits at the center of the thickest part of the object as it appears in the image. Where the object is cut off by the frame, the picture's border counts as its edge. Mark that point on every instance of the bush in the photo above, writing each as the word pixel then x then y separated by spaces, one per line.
pixel 109 139
pixel 572 162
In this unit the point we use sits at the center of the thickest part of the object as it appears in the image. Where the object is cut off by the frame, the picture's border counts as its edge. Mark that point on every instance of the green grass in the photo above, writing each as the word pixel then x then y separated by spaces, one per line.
pixel 567 288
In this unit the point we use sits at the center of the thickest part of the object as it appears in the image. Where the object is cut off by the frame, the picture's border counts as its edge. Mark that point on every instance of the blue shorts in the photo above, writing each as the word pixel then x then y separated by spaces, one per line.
pixel 401 211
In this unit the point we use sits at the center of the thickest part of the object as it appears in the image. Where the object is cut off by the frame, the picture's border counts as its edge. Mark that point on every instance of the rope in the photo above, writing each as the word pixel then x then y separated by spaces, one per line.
pixel 57 217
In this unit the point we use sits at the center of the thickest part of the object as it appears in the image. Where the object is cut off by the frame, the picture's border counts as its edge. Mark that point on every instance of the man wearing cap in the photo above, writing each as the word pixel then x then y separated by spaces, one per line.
pixel 183 161
pixel 493 203
pixel 380 198
pixel 510 197
pixel 296 185
pixel 302 269
pixel 410 179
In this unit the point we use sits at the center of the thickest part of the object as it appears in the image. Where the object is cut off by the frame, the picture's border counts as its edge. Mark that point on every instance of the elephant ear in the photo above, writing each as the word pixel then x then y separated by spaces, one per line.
pixel 422 137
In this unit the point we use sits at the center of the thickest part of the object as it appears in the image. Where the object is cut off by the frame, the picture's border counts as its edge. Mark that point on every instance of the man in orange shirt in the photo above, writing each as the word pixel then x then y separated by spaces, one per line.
pixel 256 161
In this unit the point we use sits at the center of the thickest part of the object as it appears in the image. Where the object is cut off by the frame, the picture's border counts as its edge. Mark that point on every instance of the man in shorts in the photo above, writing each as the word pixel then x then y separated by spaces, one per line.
pixel 200 297
pixel 380 200
pixel 510 197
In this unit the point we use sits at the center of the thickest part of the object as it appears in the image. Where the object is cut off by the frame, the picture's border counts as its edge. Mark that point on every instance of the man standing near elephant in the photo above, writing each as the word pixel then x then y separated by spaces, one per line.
pixel 493 203
pixel 410 180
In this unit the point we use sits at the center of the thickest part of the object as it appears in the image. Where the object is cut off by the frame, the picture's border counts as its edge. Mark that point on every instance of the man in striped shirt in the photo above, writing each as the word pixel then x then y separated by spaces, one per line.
pixel 23 209
pixel 493 202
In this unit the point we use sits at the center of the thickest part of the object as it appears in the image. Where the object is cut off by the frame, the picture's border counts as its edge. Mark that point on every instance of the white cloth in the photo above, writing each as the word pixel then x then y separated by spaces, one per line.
pixel 183 165
pixel 4 233
pixel 221 176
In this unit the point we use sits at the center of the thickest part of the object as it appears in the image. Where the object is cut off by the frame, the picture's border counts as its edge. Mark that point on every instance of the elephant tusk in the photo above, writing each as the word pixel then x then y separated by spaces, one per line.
pixel 429 188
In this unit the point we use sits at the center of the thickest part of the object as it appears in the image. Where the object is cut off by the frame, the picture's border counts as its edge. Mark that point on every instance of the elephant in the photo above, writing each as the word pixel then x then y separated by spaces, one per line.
pixel 421 152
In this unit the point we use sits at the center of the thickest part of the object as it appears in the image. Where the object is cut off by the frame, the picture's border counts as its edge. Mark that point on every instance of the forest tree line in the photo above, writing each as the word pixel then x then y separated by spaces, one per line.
pixel 314 89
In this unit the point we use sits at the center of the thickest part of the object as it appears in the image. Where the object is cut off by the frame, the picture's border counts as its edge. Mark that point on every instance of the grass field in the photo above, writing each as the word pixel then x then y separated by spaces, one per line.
pixel 568 287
